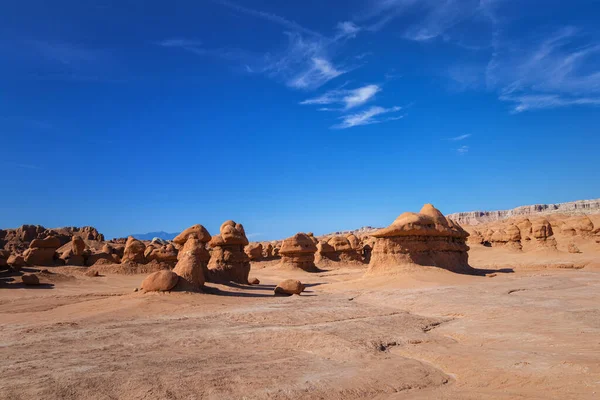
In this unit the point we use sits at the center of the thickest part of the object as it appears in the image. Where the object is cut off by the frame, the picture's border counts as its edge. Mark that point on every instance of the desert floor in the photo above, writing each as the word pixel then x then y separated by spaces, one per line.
pixel 533 333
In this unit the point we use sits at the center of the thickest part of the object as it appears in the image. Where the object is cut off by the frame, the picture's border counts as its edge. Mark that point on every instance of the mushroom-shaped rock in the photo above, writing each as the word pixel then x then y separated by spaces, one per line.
pixel 134 251
pixel 30 279
pixel 426 238
pixel 160 281
pixel 289 287
pixel 298 251
pixel 228 261
pixel 197 231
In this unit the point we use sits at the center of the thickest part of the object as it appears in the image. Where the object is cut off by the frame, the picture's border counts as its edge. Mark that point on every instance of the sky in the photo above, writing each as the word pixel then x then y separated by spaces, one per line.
pixel 138 116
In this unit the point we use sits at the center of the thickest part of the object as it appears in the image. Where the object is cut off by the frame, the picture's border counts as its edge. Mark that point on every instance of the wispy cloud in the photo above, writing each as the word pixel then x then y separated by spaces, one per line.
pixel 316 73
pixel 550 73
pixel 307 62
pixel 350 98
pixel 429 18
pixel 462 150
pixel 543 101
pixel 461 137
pixel 347 29
pixel 274 18
pixel 367 117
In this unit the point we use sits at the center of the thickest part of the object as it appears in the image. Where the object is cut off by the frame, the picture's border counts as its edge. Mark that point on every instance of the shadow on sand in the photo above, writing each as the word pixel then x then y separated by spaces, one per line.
pixel 8 281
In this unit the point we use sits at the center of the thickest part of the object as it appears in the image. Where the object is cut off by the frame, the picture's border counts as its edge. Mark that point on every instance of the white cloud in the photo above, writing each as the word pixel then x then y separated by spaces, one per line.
pixel 348 98
pixel 543 101
pixel 462 150
pixel 550 73
pixel 367 117
pixel 347 29
pixel 461 137
pixel 306 63
pixel 315 74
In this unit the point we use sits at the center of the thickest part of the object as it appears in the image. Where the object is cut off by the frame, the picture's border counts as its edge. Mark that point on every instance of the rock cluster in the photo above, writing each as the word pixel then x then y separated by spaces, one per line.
pixel 346 249
pixel 425 238
pixel 228 261
pixel 299 251
pixel 254 251
pixel 42 251
pixel 551 231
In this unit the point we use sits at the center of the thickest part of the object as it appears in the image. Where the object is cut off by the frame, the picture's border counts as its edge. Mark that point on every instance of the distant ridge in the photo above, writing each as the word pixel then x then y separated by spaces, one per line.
pixel 151 235
pixel 570 208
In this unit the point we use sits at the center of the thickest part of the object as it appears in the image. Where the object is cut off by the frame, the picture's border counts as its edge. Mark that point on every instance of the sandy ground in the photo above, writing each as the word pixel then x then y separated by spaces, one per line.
pixel 533 333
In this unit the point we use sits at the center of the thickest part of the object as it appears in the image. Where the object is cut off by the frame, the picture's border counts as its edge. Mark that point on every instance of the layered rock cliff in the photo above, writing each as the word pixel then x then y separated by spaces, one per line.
pixel 579 207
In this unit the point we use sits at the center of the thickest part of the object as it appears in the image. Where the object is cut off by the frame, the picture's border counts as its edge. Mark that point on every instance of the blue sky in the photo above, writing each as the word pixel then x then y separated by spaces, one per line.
pixel 138 116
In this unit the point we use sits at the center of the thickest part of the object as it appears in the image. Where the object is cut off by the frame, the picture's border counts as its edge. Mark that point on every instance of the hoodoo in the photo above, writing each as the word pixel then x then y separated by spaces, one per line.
pixel 299 251
pixel 426 238
pixel 228 261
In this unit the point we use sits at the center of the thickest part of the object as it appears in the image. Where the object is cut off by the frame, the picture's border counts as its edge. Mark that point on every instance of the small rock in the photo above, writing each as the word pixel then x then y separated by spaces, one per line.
pixel 30 279
pixel 92 273
pixel 289 287
pixel 253 281
pixel 491 275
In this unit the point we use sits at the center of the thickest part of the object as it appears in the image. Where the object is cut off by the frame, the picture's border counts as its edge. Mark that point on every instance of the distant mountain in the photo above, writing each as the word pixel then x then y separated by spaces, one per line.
pixel 151 235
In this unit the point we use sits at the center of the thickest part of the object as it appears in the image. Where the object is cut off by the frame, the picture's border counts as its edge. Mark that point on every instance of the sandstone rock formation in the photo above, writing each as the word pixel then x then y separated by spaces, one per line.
pixel 160 281
pixel 254 251
pixel 426 238
pixel 192 265
pixel 339 248
pixel 42 252
pixel 289 287
pixel 268 250
pixel 556 231
pixel 228 261
pixel 571 208
pixel 164 254
pixel 134 251
pixel 74 254
pixel 198 231
pixel 298 251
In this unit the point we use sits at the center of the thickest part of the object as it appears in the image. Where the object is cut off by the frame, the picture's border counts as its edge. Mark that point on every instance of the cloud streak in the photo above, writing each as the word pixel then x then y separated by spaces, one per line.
pixel 267 16
pixel 462 150
pixel 347 98
pixel 461 137
pixel 367 117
